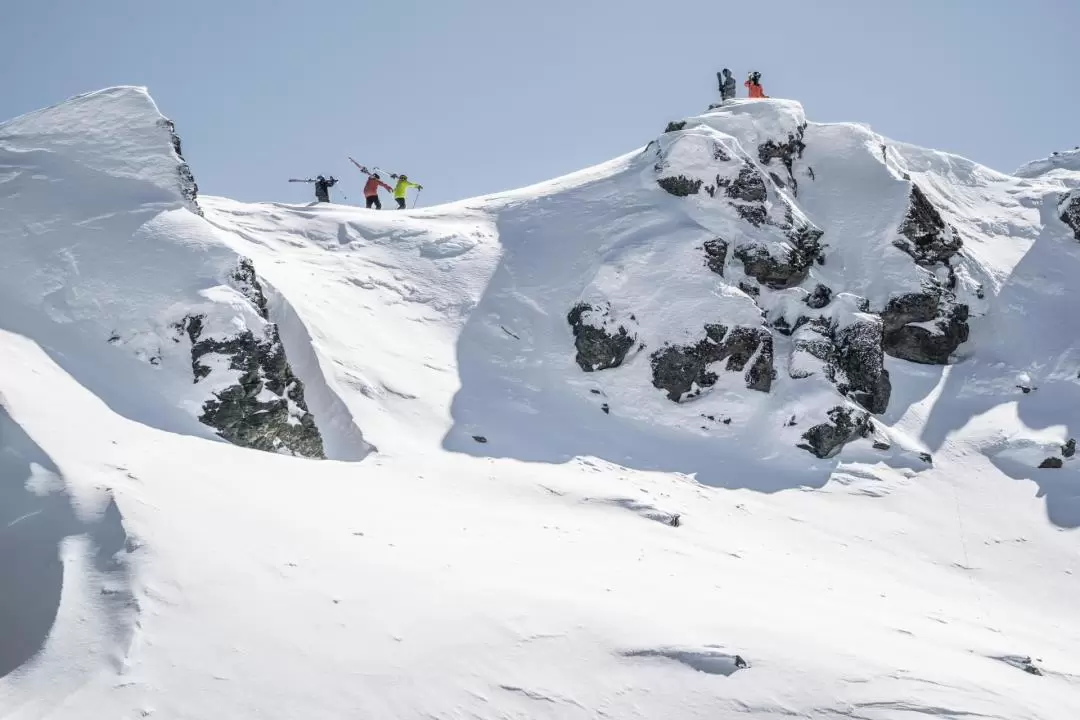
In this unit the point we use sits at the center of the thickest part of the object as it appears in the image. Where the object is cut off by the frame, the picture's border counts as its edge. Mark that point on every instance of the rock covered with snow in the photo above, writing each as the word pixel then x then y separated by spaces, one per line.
pixel 1069 207
pixel 119 262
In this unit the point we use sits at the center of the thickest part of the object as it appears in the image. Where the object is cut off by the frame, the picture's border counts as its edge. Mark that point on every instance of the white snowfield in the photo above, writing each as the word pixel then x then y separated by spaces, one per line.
pixel 498 533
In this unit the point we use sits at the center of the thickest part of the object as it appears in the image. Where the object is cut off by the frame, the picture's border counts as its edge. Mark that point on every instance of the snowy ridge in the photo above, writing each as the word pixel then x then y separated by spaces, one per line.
pixel 594 494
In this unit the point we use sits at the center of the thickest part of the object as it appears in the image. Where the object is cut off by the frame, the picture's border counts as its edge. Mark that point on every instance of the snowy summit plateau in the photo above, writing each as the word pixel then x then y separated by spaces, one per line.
pixel 766 418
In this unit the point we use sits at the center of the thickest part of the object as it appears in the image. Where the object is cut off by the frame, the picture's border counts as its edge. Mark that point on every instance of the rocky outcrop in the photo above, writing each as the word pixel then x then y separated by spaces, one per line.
pixel 675 126
pixel 265 407
pixel 601 343
pixel 716 251
pixel 680 185
pixel 906 335
pixel 851 357
pixel 770 271
pixel 188 187
pixel 1069 448
pixel 1069 207
pixel 1052 463
pixel 860 364
pixel 927 237
pixel 786 152
pixel 820 298
pixel 748 186
pixel 684 370
pixel 845 424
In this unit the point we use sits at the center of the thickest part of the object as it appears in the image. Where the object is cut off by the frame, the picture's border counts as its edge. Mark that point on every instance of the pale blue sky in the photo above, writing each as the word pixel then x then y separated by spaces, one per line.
pixel 474 96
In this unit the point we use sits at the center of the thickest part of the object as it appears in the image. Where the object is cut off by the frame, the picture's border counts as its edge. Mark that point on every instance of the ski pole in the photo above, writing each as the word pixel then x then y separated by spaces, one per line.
pixel 415 198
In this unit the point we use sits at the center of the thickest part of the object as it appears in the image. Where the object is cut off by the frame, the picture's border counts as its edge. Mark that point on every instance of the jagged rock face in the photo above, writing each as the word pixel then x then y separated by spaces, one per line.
pixel 1069 448
pixel 851 357
pixel 265 408
pixel 680 185
pixel 679 369
pixel 1070 211
pixel 599 345
pixel 860 363
pixel 188 187
pixel 748 186
pixel 675 126
pixel 845 424
pixel 820 298
pixel 813 349
pixel 786 153
pixel 773 272
pixel 919 344
pixel 927 237
pixel 1053 463
pixel 716 255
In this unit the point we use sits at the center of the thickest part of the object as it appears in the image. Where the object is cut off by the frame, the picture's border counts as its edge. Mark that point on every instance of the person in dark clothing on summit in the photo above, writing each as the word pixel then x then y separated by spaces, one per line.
pixel 322 188
pixel 727 85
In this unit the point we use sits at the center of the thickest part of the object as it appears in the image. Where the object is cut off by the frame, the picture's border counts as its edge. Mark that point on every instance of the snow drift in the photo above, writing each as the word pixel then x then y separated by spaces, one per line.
pixel 765 417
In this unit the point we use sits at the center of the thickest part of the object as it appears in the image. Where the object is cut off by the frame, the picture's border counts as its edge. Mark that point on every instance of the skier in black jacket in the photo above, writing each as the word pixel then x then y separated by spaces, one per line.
pixel 322 188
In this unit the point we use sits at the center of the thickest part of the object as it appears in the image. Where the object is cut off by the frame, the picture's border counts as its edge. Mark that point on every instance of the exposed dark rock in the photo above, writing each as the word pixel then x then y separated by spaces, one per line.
pixel 821 297
pixel 242 413
pixel 680 185
pixel 926 458
pixel 776 179
pixel 675 126
pixel 479 438
pixel 1070 211
pixel 598 349
pixel 749 288
pixel 879 445
pixel 716 255
pixel 756 215
pixel 771 271
pixel 1051 463
pixel 928 238
pixel 1069 448
pixel 677 369
pixel 188 187
pixel 845 424
pixel 606 408
pixel 782 326
pixel 918 344
pixel 807 240
pixel 749 186
pixel 786 153
pixel 852 358
pixel 814 339
pixel 245 280
pixel 859 358
pixel 719 153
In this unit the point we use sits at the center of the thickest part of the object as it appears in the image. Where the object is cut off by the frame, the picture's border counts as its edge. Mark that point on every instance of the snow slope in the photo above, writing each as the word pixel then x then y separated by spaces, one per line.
pixel 510 549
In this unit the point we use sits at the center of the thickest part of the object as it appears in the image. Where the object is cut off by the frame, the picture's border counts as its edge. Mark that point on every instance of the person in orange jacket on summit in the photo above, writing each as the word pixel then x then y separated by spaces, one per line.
pixel 753 84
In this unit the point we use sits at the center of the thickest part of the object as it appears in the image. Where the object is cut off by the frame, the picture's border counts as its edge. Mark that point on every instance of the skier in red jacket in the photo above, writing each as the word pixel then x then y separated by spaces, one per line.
pixel 753 84
pixel 371 191
pixel 371 187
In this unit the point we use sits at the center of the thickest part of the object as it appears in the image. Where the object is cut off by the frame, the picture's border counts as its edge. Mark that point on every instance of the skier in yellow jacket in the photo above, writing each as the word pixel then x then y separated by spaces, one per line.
pixel 402 189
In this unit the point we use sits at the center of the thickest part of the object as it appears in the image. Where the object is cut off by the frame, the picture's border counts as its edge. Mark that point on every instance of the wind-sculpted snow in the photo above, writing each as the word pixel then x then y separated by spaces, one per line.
pixel 640 453
pixel 111 266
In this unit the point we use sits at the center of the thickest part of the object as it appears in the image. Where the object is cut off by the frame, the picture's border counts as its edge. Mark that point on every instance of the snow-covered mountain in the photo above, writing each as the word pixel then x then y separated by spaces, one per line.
pixel 767 417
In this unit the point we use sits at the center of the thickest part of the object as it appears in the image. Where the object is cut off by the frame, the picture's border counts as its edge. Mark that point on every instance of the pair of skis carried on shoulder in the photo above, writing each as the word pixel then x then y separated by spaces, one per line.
pixel 373 170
